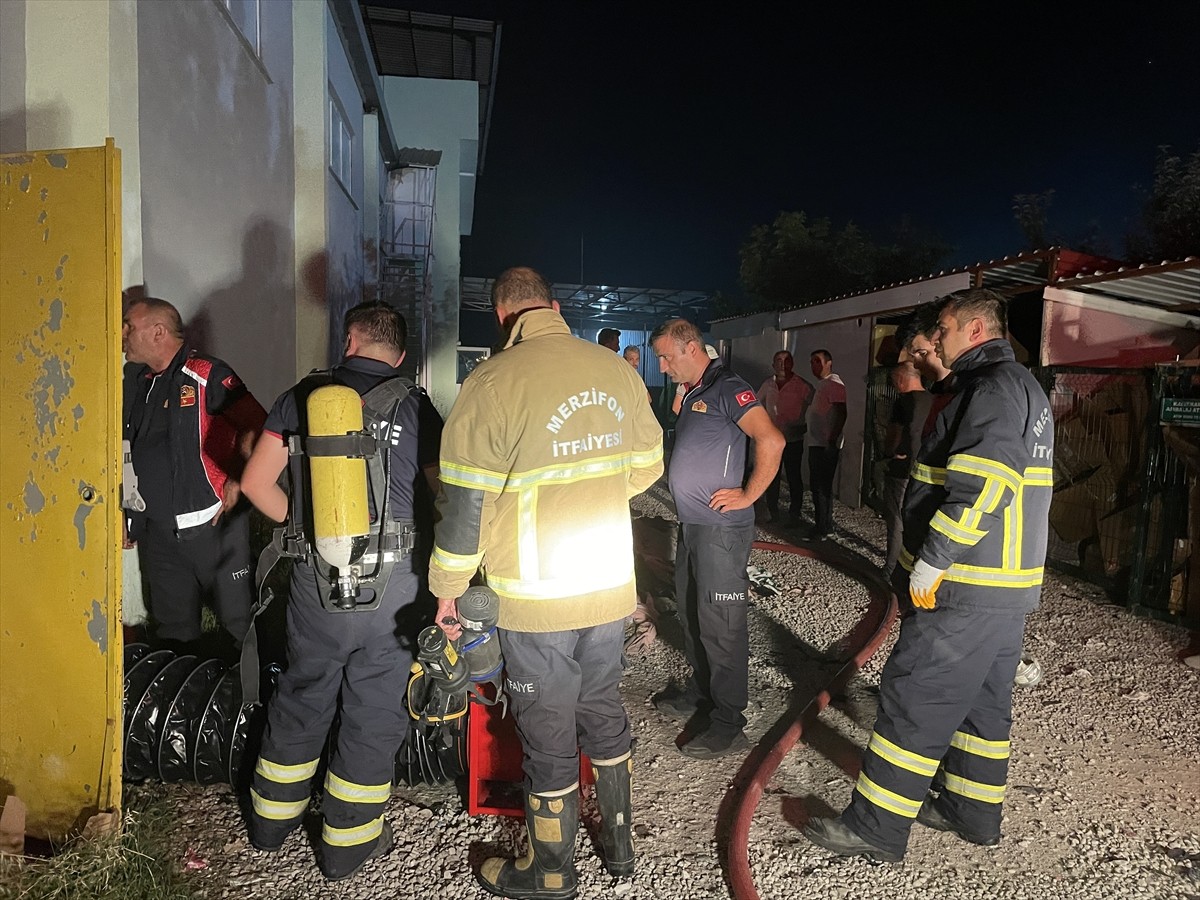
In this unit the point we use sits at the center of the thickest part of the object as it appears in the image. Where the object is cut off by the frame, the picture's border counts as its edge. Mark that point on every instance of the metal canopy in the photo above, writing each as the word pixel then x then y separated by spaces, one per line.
pixel 590 306
pixel 1170 286
pixel 413 44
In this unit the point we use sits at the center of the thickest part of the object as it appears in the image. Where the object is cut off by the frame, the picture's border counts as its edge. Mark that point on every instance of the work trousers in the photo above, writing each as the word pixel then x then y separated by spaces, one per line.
pixel 564 687
pixel 893 505
pixel 945 701
pixel 792 466
pixel 822 465
pixel 358 655
pixel 184 566
pixel 711 590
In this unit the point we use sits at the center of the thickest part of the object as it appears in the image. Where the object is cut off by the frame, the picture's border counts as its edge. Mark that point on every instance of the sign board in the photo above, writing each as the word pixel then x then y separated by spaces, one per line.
pixel 1179 411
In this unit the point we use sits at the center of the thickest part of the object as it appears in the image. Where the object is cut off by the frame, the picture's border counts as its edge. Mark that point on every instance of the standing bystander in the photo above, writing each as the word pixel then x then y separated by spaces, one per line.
pixel 190 423
pixel 826 419
pixel 785 396
pixel 900 445
pixel 716 528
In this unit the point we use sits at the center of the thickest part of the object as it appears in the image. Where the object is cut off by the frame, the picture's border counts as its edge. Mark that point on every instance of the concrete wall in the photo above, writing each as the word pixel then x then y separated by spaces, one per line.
pixel 218 182
pixel 55 98
pixel 440 115
pixel 344 203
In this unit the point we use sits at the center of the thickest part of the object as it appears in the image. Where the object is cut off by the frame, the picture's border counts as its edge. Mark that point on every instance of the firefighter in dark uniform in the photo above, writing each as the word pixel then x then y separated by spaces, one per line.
pixel 189 424
pixel 975 528
pixel 716 528
pixel 360 653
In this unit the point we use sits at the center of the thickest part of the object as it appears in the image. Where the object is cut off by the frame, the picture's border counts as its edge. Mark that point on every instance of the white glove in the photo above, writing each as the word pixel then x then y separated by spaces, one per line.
pixel 923 584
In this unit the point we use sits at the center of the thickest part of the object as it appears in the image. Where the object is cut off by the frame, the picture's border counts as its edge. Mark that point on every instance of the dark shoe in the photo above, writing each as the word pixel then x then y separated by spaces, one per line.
pixel 383 845
pixel 676 702
pixel 932 817
pixel 614 797
pixel 837 837
pixel 711 744
pixel 547 872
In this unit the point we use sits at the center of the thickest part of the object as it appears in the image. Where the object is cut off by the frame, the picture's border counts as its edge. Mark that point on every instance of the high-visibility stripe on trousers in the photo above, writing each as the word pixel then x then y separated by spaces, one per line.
pixel 352 666
pixel 945 703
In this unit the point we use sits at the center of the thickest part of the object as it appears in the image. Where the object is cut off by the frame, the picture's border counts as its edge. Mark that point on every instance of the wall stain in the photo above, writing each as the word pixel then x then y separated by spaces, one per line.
pixel 56 314
pixel 24 185
pixel 97 626
pixel 43 194
pixel 57 160
pixel 58 271
pixel 50 390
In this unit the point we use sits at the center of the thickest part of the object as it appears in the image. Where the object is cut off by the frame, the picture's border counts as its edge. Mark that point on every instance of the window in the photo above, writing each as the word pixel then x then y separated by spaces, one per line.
pixel 341 146
pixel 245 16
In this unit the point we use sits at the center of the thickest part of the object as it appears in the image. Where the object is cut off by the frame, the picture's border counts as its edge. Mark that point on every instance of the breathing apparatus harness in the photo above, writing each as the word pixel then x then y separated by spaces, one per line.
pixel 367 558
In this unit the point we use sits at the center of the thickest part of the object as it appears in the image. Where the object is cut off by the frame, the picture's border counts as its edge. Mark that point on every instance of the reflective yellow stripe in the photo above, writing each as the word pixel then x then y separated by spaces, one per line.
pixel 469 477
pixel 984 468
pixel 1037 476
pixel 928 474
pixel 988 576
pixel 277 809
pixel 643 459
pixel 557 588
pixel 456 562
pixel 975 790
pixel 350 837
pixel 282 774
pixel 969 743
pixel 885 799
pixel 569 474
pixel 957 533
pixel 898 756
pixel 528 562
pixel 356 793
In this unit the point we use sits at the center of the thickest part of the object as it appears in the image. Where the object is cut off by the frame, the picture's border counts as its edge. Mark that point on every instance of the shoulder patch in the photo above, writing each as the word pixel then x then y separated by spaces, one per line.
pixel 745 397
pixel 187 395
pixel 700 406
pixel 231 381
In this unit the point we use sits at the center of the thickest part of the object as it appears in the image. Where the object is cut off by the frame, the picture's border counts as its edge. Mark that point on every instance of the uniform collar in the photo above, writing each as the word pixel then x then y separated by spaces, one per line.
pixel 368 365
pixel 536 322
pixel 985 354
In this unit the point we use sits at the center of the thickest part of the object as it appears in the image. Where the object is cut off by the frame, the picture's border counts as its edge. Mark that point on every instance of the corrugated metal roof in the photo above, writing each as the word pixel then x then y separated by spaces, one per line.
pixel 1168 285
pixel 1172 286
pixel 596 306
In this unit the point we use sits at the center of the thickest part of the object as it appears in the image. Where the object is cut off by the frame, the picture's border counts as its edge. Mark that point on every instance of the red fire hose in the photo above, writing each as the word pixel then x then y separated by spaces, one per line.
pixel 865 638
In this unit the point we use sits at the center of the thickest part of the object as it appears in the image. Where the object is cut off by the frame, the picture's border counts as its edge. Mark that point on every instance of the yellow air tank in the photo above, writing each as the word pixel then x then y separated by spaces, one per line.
pixel 341 519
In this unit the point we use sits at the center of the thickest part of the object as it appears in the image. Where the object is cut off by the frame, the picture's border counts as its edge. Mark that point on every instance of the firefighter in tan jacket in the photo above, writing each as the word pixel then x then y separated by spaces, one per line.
pixel 546 444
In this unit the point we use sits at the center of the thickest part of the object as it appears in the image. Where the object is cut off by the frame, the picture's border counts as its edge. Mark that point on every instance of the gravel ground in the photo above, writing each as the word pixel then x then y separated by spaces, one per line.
pixel 1103 793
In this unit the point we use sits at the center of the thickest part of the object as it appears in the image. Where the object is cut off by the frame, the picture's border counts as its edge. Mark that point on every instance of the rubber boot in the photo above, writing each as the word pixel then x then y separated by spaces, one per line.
pixel 614 796
pixel 547 871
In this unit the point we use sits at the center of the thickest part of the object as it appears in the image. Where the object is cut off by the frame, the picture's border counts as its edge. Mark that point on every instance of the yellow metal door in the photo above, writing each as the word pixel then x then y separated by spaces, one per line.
pixel 60 525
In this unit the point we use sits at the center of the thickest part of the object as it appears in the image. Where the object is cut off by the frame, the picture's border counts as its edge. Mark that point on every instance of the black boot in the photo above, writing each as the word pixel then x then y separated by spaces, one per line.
pixel 614 796
pixel 547 871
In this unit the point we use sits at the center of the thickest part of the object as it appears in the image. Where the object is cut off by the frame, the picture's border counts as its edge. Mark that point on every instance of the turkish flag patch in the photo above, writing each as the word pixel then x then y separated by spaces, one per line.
pixel 745 397
pixel 231 381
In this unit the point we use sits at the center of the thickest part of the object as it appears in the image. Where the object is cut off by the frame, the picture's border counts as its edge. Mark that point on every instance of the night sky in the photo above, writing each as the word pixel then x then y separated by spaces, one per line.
pixel 661 133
